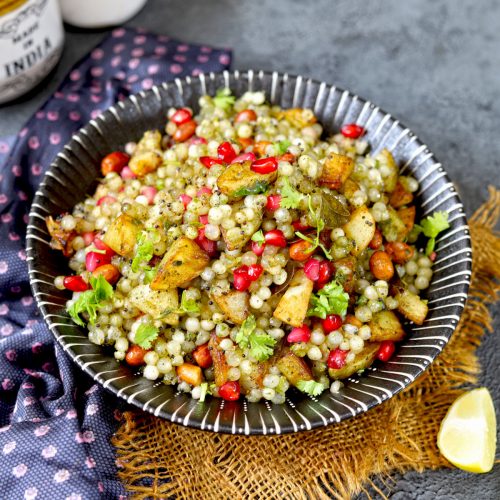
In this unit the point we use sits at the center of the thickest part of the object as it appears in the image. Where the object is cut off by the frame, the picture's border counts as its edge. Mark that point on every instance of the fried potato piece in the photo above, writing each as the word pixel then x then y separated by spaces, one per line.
pixel 393 229
pixel 292 307
pixel 360 228
pixel 254 378
pixel 336 169
pixel 234 304
pixel 147 156
pixel 362 360
pixel 122 234
pixel 61 238
pixel 293 367
pixel 411 306
pixel 219 360
pixel 298 117
pixel 400 196
pixel 156 303
pixel 391 180
pixel 349 188
pixel 184 261
pixel 385 325
pixel 238 177
pixel 407 215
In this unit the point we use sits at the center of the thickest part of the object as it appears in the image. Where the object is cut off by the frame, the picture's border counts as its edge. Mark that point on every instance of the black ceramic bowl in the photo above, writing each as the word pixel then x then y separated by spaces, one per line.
pixel 74 172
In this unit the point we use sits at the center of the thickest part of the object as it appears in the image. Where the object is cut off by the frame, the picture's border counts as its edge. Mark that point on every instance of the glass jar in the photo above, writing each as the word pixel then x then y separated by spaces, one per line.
pixel 31 42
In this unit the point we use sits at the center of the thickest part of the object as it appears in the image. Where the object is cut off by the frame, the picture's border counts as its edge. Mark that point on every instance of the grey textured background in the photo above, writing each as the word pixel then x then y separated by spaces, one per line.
pixel 434 65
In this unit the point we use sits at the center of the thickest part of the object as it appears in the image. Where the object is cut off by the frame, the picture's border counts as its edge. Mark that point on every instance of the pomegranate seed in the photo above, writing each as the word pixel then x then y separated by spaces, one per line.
pixel 210 161
pixel 325 271
pixel 209 246
pixel 203 219
pixel 433 256
pixel 247 115
pixel 226 152
pixel 299 334
pixel 100 245
pixel 336 359
pixel 311 268
pixel 149 192
pixel 230 391
pixel 186 200
pixel 298 226
pixel 242 270
pixel 106 200
pixel 185 131
pixel 204 190
pixel 197 140
pixel 386 350
pixel 275 237
pixel 254 272
pixel 331 323
pixel 126 173
pixel 244 157
pixel 273 202
pixel 202 356
pixel 352 131
pixel 75 283
pixel 88 238
pixel 241 282
pixel 258 248
pixel 93 260
pixel 265 165
pixel 181 116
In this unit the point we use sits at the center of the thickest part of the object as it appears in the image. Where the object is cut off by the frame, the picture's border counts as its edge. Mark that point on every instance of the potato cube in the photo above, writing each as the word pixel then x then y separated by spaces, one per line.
pixel 238 179
pixel 362 360
pixel 234 304
pixel 156 303
pixel 393 229
pixel 360 228
pixel 336 169
pixel 411 306
pixel 400 196
pixel 385 325
pixel 219 360
pixel 407 215
pixel 122 234
pixel 391 180
pixel 293 367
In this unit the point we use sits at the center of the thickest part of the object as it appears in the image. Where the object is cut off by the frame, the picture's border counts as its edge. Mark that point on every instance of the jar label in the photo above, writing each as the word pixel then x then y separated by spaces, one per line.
pixel 31 39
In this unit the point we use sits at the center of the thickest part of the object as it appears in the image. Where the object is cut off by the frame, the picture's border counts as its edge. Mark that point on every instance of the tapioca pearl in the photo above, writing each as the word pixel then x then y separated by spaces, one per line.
pixel 151 372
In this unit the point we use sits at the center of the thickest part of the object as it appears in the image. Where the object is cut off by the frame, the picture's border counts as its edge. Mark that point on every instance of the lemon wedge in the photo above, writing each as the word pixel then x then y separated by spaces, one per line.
pixel 467 437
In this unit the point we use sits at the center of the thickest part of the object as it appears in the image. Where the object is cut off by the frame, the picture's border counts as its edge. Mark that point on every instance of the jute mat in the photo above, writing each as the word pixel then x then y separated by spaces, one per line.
pixel 162 460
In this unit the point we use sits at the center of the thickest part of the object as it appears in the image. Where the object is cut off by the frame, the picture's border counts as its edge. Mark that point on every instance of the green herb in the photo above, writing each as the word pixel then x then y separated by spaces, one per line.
pixel 203 391
pixel 144 249
pixel 282 147
pixel 258 237
pixel 320 225
pixel 261 345
pixel 431 226
pixel 188 305
pixel 89 301
pixel 331 299
pixel 146 333
pixel 258 188
pixel 149 274
pixel 290 197
pixel 94 249
pixel 310 387
pixel 224 99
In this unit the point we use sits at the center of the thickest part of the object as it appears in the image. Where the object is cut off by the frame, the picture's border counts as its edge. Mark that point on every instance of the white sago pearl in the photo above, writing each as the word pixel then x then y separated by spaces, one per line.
pixel 357 344
pixel 282 215
pixel 151 372
pixel 363 313
pixel 337 233
pixel 350 329
pixel 268 393
pixel 215 215
pixel 233 358
pixel 271 381
pixel 226 344
pixel 203 337
pixel 314 353
pixel 196 392
pixel 78 243
pixel 173 348
pixel 276 333
pixel 364 332
pixel 208 274
pixel 280 277
pixel 264 293
pixel 317 337
pixel 80 256
pixel 421 283
pixel 249 259
pixel 336 386
pixel 370 293
pixel 424 262
pixel 212 232
pixel 391 303
pixel 68 223
pixel 350 357
pixel 120 355
pixel 256 302
pixel 207 325
pixel 218 267
pixel 164 365
pixel 121 344
pixel 177 360
pixel 344 345
pixel 233 373
pixel 334 339
pixel 59 282
pixel 425 272
pixel 151 358
pixel 382 288
pixel 246 366
pixel 192 325
pixel 244 131
pixel 228 223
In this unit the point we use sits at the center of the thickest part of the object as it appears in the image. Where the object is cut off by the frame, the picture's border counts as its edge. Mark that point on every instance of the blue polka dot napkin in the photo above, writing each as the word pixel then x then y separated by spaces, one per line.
pixel 55 423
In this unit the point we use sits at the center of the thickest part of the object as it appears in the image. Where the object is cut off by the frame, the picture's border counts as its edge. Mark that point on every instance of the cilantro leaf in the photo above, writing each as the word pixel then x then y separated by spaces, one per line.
pixel 258 188
pixel 331 299
pixel 431 226
pixel 144 336
pixel 282 147
pixel 258 237
pixel 144 250
pixel 290 197
pixel 149 274
pixel 310 387
pixel 203 391
pixel 261 345
pixel 188 305
pixel 224 99
pixel 89 301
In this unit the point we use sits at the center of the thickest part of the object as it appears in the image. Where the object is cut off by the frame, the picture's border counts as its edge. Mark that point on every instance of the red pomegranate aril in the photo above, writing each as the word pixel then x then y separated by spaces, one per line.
pixel 386 350
pixel 336 359
pixel 247 115
pixel 226 152
pixel 352 130
pixel 275 237
pixel 93 260
pixel 88 237
pixel 254 272
pixel 127 173
pixel 106 200
pixel 258 248
pixel 265 165
pixel 299 334
pixel 181 116
pixel 209 246
pixel 273 202
pixel 210 161
pixel 149 192
pixel 100 245
pixel 325 271
pixel 230 391
pixel 244 157
pixel 331 323
pixel 203 219
pixel 185 131
pixel 311 269
pixel 241 282
pixel 298 226
pixel 197 140
pixel 185 199
pixel 241 271
pixel 204 191
pixel 75 283
pixel 433 256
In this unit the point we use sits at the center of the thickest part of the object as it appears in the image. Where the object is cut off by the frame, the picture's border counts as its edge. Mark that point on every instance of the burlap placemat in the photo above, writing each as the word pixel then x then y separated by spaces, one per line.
pixel 161 460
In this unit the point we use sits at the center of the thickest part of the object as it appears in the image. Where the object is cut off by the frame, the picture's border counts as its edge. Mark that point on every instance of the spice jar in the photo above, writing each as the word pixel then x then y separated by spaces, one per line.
pixel 31 42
